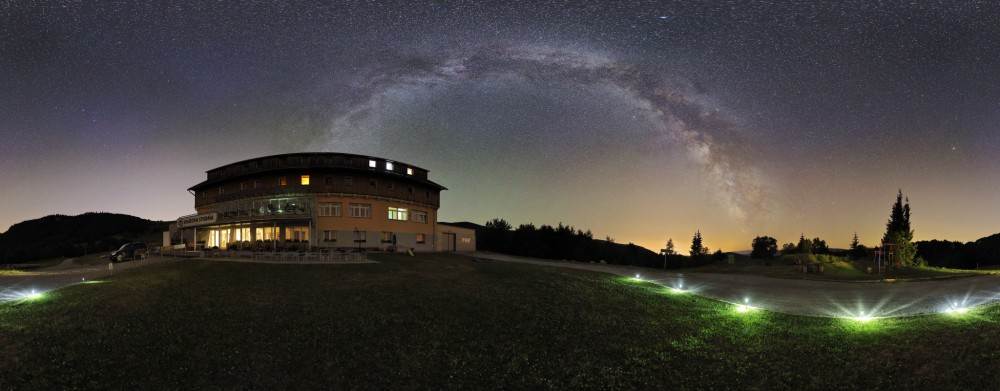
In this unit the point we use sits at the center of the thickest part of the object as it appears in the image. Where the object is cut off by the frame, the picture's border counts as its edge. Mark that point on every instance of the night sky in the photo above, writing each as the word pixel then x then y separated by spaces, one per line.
pixel 642 121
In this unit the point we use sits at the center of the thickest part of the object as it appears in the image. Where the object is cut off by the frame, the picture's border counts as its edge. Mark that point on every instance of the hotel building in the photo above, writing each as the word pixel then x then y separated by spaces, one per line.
pixel 305 201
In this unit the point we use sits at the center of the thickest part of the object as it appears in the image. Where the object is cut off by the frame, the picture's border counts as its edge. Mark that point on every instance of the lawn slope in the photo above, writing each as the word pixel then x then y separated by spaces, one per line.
pixel 442 321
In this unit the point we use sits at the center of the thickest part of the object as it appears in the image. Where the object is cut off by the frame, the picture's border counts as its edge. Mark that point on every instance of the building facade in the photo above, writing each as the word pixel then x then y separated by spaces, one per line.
pixel 305 201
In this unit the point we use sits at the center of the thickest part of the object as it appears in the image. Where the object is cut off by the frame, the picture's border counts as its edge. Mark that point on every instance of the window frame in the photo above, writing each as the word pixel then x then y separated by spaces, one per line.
pixel 398 214
pixel 422 216
pixel 330 209
pixel 363 210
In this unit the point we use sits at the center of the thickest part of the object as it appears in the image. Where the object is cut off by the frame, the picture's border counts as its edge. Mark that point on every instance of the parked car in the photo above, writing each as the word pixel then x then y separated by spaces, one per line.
pixel 128 251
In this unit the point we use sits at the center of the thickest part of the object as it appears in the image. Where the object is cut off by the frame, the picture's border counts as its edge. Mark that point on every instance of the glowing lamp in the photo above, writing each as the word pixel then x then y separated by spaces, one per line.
pixel 863 317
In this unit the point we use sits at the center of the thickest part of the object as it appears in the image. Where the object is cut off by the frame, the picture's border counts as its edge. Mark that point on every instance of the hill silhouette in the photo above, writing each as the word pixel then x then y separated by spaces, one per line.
pixel 944 253
pixel 60 235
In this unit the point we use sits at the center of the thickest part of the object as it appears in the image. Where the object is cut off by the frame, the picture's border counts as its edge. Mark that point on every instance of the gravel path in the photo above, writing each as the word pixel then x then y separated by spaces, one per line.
pixel 809 297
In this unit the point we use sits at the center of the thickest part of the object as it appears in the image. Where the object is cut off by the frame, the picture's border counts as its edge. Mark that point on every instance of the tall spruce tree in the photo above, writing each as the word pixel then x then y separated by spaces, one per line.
pixel 899 232
pixel 697 250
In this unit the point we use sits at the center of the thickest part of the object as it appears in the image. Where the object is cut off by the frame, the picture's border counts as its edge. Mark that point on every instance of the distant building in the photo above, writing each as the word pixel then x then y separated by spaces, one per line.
pixel 319 200
pixel 455 238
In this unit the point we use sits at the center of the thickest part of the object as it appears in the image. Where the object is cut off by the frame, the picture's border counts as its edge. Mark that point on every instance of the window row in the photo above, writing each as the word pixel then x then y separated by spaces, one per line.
pixel 389 166
pixel 335 209
pixel 330 236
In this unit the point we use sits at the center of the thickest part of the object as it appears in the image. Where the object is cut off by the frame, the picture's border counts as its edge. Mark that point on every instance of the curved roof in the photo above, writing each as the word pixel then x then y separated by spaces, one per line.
pixel 241 168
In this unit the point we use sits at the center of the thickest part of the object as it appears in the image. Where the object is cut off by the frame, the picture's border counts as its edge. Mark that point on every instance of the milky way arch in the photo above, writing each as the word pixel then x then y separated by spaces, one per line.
pixel 677 113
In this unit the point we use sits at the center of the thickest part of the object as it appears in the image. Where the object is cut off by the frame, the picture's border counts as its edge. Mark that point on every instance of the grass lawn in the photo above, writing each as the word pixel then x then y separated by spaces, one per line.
pixel 837 271
pixel 442 321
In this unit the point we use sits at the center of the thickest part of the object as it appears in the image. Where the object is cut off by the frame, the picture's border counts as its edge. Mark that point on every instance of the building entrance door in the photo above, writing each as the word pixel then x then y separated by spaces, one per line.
pixel 449 242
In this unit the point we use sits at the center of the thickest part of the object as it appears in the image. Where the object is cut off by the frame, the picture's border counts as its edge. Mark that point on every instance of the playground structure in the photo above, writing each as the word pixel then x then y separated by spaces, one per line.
pixel 885 256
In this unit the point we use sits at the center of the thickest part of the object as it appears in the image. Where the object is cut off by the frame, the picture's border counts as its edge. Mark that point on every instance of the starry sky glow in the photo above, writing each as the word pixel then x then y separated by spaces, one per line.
pixel 642 120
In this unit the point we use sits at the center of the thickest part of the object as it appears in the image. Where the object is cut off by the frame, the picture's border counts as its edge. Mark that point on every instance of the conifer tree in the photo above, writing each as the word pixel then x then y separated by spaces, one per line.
pixel 697 250
pixel 898 231
pixel 670 247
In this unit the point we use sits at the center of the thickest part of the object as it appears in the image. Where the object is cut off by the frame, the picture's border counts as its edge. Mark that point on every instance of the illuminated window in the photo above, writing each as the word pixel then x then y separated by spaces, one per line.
pixel 421 239
pixel 419 216
pixel 361 210
pixel 265 233
pixel 387 237
pixel 305 180
pixel 348 181
pixel 282 181
pixel 409 170
pixel 298 234
pixel 329 236
pixel 360 236
pixel 397 213
pixel 372 163
pixel 333 209
pixel 466 240
pixel 388 166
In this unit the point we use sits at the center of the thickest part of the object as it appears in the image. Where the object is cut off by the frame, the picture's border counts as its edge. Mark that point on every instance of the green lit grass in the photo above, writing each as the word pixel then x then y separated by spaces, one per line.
pixel 836 271
pixel 441 321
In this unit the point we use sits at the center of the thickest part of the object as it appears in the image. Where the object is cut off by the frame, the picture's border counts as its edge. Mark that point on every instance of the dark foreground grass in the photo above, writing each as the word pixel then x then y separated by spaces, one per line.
pixel 441 321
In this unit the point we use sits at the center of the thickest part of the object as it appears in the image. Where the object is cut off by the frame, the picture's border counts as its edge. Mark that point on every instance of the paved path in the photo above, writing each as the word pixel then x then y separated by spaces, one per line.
pixel 809 297
pixel 15 286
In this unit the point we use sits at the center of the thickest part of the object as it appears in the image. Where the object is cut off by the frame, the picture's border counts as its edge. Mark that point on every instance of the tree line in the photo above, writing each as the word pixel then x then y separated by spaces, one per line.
pixel 565 242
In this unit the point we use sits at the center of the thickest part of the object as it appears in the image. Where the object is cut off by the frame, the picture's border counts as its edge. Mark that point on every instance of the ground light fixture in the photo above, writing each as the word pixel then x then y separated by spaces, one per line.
pixel 31 295
pixel 745 307
pixel 864 318
pixel 957 309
